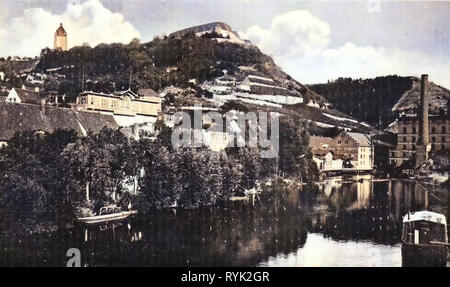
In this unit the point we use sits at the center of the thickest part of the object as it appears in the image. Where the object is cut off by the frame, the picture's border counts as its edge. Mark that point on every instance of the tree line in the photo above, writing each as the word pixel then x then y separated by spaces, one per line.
pixel 372 99
pixel 194 57
pixel 44 177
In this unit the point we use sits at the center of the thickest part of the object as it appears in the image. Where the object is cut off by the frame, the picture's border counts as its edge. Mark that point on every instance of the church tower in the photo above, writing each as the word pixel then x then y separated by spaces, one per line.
pixel 60 39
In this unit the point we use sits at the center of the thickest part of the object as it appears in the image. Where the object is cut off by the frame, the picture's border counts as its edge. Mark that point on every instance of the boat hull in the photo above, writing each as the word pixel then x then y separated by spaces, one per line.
pixel 424 255
pixel 106 217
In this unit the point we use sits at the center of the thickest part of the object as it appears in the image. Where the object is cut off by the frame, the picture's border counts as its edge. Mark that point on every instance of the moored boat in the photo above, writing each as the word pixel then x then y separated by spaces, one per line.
pixel 107 214
pixel 424 239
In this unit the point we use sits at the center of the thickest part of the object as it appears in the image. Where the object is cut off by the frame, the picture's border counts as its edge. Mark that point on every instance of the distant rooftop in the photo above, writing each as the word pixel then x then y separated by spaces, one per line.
pixel 21 117
pixel 362 139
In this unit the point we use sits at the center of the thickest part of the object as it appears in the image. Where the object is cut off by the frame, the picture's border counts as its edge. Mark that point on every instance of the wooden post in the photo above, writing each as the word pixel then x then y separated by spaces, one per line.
pixel 87 191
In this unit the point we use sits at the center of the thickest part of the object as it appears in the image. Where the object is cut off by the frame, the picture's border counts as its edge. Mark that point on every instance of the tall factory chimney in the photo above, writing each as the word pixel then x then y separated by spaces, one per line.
pixel 422 113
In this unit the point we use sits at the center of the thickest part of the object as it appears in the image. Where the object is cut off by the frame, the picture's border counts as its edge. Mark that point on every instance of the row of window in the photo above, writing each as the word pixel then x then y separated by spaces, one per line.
pixel 413 139
pixel 406 154
pixel 363 156
pixel 443 130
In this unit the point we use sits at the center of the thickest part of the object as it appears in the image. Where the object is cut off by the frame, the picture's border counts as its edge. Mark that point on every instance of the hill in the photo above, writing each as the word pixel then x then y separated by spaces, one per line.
pixel 378 101
pixel 195 65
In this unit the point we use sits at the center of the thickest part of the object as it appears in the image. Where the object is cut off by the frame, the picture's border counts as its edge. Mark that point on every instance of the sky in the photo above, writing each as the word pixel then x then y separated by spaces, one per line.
pixel 313 41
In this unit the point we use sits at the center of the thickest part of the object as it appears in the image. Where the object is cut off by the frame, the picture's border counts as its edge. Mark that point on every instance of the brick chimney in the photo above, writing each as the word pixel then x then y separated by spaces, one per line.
pixel 422 113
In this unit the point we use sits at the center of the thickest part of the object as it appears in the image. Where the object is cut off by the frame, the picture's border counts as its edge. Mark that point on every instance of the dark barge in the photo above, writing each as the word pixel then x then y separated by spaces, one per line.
pixel 424 239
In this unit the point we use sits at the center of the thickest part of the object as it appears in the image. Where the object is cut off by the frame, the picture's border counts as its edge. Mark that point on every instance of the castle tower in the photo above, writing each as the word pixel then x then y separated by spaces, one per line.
pixel 61 38
pixel 422 145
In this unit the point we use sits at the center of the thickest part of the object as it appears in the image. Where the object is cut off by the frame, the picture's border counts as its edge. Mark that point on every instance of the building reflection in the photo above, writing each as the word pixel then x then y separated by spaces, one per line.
pixel 341 210
pixel 366 209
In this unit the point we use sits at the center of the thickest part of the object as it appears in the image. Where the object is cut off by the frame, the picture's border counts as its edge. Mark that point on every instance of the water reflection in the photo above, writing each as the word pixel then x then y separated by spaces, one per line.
pixel 321 251
pixel 344 223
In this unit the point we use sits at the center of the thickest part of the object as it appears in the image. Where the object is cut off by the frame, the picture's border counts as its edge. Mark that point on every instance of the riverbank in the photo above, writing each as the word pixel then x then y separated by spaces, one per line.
pixel 354 223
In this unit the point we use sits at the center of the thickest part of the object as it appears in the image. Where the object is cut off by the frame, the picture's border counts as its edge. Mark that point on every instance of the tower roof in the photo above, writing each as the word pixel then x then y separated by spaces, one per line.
pixel 60 31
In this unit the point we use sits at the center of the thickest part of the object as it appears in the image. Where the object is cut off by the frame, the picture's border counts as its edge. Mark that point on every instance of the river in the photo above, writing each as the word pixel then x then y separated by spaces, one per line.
pixel 342 223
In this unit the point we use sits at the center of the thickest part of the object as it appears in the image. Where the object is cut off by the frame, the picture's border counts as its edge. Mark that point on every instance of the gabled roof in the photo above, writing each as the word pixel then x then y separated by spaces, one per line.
pixel 21 117
pixel 147 93
pixel 94 122
pixel 362 139
pixel 27 96
pixel 128 92
pixel 320 152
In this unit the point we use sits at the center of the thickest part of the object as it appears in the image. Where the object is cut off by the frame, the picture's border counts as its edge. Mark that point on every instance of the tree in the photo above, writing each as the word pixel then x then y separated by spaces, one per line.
pixel 295 158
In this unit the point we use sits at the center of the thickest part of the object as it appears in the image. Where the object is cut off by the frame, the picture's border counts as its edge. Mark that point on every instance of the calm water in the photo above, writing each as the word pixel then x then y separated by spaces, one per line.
pixel 342 224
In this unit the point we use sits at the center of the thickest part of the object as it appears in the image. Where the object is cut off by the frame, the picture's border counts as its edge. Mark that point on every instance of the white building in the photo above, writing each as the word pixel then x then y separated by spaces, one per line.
pixel 328 162
pixel 24 96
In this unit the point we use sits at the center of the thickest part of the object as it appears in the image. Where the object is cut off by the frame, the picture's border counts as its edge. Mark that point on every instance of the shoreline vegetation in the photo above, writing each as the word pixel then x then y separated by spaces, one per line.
pixel 43 177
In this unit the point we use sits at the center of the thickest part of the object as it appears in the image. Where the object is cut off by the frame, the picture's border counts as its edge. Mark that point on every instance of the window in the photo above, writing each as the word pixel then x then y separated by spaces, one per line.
pixel 404 139
pixel 393 154
pixel 404 154
pixel 444 130
pixel 443 139
pixel 413 139
pixel 433 139
pixel 346 141
pixel 404 146
pixel 339 141
pixel 404 130
pixel 433 130
pixel 414 130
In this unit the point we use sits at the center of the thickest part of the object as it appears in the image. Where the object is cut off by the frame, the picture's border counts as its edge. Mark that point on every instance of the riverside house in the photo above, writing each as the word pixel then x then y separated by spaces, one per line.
pixel 353 149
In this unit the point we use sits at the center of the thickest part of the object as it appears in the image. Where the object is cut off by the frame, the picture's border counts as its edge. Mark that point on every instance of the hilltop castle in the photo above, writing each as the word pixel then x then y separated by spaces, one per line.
pixel 60 39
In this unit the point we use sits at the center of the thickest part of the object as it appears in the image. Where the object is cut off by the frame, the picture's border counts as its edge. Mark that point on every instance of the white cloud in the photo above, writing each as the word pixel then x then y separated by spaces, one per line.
pixel 89 22
pixel 300 44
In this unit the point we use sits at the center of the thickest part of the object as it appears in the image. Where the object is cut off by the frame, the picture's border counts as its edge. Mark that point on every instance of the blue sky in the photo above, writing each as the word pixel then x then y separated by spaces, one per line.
pixel 312 40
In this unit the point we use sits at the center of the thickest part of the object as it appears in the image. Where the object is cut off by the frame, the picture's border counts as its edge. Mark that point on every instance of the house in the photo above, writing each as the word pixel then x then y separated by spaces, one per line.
pixel 40 118
pixel 127 107
pixel 24 95
pixel 363 158
pixel 327 161
pixel 354 149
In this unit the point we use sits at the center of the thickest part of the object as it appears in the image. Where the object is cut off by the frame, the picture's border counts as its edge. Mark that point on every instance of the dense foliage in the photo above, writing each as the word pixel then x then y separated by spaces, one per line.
pixel 159 63
pixel 44 178
pixel 371 99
